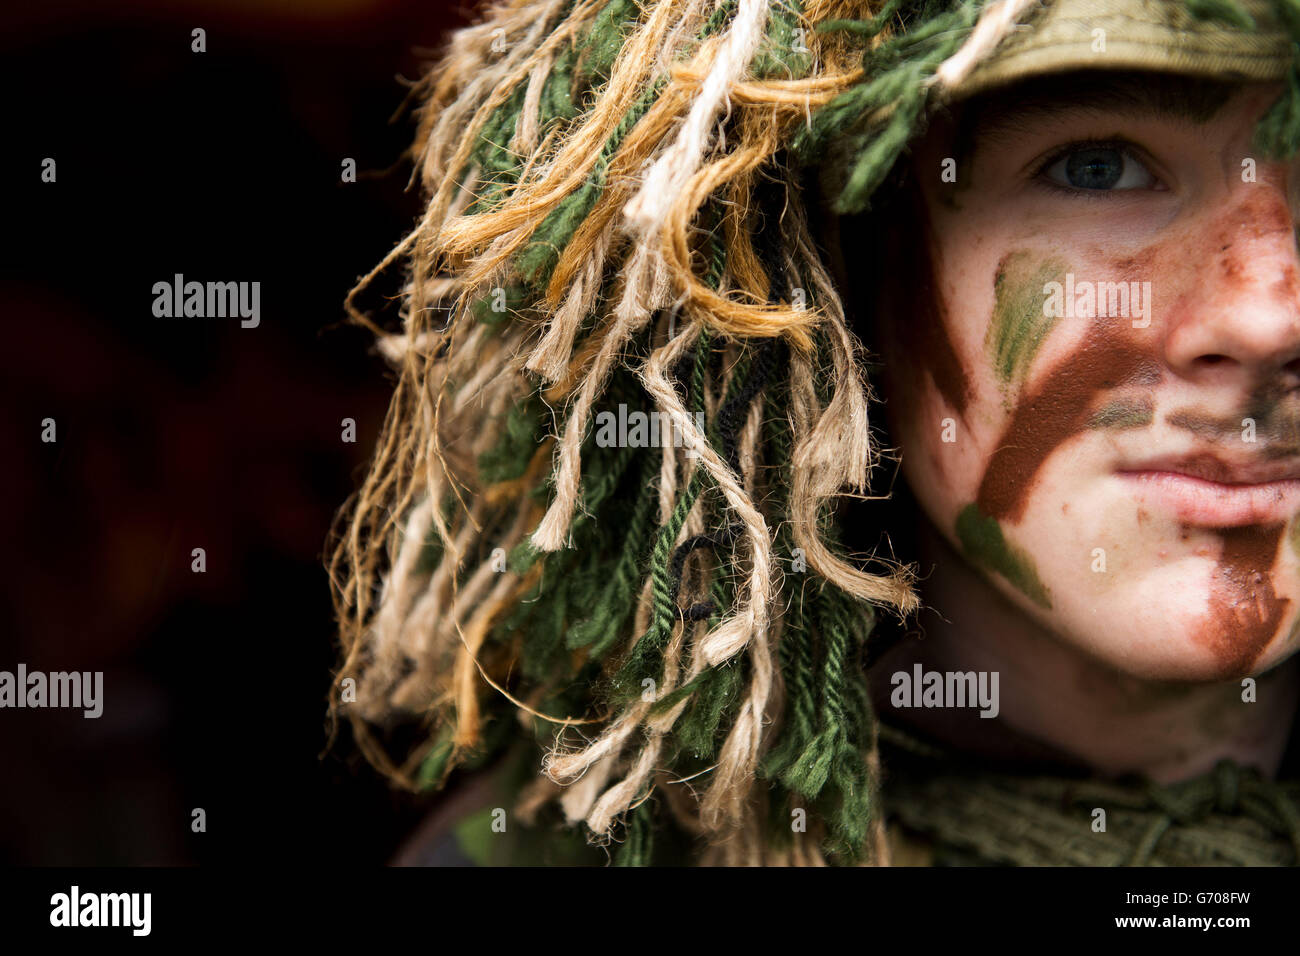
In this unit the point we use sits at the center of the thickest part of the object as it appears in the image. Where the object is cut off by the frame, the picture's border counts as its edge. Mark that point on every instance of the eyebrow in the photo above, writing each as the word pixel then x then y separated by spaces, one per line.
pixel 1132 95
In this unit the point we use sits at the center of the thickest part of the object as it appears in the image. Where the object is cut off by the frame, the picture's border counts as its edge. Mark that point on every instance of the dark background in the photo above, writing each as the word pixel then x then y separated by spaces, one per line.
pixel 182 433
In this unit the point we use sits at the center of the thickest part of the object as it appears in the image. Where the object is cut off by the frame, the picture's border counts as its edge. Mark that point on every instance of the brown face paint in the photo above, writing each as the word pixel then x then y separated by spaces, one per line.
pixel 1245 611
pixel 1060 408
pixel 1294 538
pixel 1042 420
pixel 1055 412
pixel 1257 217
pixel 1137 266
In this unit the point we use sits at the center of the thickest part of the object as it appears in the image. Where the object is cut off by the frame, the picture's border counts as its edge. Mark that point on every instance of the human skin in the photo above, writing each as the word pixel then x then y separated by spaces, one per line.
pixel 1127 553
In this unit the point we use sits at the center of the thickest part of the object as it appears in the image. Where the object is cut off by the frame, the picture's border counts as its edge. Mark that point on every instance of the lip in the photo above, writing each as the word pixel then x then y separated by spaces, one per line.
pixel 1207 491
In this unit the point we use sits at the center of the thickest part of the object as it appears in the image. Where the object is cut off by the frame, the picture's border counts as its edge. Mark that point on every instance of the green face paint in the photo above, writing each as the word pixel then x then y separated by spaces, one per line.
pixel 1123 413
pixel 1020 325
pixel 982 539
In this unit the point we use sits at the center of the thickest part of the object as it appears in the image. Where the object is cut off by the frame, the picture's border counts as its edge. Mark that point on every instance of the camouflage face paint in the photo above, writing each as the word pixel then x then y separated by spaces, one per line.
pixel 1107 383
pixel 1294 538
pixel 1275 426
pixel 983 541
pixel 1020 324
pixel 1053 413
pixel 1245 609
pixel 1123 413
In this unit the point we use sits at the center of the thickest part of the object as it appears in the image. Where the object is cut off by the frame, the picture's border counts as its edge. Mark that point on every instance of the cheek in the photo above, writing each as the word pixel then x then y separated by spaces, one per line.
pixel 957 355
pixel 1009 429
pixel 939 460
pixel 931 384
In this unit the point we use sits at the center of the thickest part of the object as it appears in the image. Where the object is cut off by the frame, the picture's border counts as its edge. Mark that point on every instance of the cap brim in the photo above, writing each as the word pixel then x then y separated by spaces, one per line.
pixel 1152 35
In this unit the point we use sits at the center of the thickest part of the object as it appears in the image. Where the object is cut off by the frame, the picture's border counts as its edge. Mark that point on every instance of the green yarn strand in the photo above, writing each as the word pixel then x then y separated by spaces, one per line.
pixel 1277 134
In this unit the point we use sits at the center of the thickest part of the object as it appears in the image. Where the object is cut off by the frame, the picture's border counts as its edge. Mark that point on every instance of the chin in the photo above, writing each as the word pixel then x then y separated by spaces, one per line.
pixel 1160 629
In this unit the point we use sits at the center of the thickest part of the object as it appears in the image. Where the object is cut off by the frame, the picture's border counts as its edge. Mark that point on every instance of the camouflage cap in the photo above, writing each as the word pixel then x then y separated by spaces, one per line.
pixel 1157 35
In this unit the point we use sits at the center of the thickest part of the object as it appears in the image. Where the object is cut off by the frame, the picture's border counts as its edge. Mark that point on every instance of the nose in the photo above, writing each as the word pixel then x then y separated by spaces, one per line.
pixel 1238 322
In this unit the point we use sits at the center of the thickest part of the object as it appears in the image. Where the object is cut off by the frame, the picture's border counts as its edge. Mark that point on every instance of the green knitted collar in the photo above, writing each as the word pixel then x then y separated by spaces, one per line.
pixel 1231 816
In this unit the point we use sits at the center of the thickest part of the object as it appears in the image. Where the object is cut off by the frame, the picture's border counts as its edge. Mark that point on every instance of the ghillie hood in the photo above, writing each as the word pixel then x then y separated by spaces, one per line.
pixel 600 516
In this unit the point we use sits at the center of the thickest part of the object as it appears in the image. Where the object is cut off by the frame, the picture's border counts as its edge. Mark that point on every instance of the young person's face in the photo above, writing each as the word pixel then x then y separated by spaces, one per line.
pixel 1097 400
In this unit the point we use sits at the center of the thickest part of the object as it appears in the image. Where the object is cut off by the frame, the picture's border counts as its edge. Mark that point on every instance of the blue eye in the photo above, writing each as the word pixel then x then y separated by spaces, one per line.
pixel 1099 168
